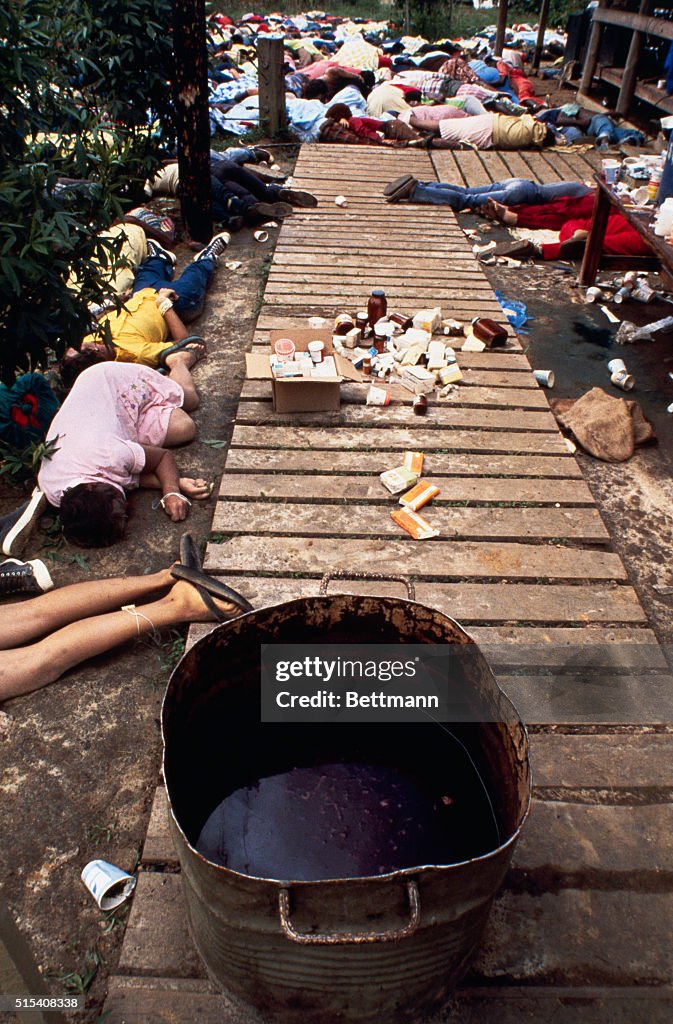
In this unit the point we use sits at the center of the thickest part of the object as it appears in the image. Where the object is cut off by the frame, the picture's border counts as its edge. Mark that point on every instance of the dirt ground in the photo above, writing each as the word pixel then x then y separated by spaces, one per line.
pixel 79 761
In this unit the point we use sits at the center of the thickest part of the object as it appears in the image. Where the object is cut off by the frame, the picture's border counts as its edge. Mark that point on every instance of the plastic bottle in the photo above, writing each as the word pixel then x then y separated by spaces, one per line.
pixel 377 306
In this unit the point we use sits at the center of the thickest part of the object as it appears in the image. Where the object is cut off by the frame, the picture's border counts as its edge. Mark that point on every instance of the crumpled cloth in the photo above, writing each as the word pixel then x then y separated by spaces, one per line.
pixel 26 410
pixel 607 428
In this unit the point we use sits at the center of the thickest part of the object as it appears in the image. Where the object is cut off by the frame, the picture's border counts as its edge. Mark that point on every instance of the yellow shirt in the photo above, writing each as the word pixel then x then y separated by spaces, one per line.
pixel 139 332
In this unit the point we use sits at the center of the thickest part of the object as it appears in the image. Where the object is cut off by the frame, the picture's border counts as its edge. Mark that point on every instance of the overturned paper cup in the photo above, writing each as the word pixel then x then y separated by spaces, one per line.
pixel 622 379
pixel 340 201
pixel 108 884
pixel 261 236
pixel 544 377
pixel 617 366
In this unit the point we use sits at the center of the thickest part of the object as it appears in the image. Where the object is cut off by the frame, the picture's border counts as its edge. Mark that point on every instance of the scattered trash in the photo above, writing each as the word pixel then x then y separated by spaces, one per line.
pixel 317 323
pixel 610 315
pixel 594 294
pixel 544 377
pixel 622 379
pixel 108 884
pixel 415 525
pixel 233 265
pixel 670 408
pixel 629 333
pixel 606 427
pixel 661 589
pixel 570 445
pixel 515 311
pixel 261 236
pixel 340 201
pixel 484 248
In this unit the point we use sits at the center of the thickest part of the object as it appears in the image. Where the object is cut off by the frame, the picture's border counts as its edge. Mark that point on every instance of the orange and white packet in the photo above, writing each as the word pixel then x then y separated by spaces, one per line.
pixel 420 495
pixel 415 525
pixel 414 462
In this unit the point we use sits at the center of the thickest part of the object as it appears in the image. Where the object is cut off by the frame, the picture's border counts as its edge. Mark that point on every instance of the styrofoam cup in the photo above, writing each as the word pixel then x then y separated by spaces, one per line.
pixel 108 884
pixel 317 323
pixel 316 349
pixel 610 171
pixel 261 236
pixel 622 379
pixel 340 200
pixel 544 377
pixel 616 365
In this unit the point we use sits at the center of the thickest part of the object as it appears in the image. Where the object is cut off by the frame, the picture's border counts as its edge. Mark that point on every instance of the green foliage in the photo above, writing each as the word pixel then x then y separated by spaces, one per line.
pixel 19 464
pixel 76 82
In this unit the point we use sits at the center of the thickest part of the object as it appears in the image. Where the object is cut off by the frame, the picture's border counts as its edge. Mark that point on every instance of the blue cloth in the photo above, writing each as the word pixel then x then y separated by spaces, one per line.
pixel 515 311
pixel 486 72
pixel 668 68
pixel 510 192
pixel 26 410
pixel 353 98
pixel 157 272
pixel 305 117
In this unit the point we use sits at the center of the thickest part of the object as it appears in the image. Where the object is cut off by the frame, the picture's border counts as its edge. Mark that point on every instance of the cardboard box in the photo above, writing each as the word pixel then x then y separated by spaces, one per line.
pixel 303 394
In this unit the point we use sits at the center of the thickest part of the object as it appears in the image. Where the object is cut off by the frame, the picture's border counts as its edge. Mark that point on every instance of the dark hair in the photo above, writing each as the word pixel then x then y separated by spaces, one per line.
pixel 338 112
pixel 71 366
pixel 314 89
pixel 413 94
pixel 93 515
pixel 550 137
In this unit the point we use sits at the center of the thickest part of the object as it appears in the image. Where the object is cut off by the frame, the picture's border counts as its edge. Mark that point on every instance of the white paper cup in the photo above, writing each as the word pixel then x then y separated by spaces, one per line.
pixel 617 366
pixel 610 171
pixel 109 885
pixel 317 323
pixel 544 377
pixel 593 294
pixel 623 380
pixel 316 349
pixel 340 200
pixel 261 236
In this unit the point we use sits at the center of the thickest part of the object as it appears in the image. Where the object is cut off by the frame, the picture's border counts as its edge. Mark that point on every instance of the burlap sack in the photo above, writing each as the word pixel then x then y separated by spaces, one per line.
pixel 605 427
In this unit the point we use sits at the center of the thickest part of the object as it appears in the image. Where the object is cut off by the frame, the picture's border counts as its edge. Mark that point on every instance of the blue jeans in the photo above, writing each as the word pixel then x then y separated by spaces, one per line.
pixel 602 125
pixel 157 272
pixel 510 192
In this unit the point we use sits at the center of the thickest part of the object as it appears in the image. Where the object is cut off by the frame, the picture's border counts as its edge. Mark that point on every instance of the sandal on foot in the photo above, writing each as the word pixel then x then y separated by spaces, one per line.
pixel 210 584
pixel 523 249
pixel 193 344
pixel 400 188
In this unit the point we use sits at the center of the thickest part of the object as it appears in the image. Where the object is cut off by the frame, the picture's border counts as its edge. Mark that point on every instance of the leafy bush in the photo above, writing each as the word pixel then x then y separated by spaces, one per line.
pixel 76 83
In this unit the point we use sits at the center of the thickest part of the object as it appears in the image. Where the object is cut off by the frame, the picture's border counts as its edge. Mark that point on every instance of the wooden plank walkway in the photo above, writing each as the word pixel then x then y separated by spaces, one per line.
pixel 581 931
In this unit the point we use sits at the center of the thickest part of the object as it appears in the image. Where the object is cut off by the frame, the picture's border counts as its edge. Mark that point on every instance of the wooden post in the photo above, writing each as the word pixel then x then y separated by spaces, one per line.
pixel 542 28
pixel 594 246
pixel 407 19
pixel 19 975
pixel 272 112
pixel 501 29
pixel 591 57
pixel 628 86
pixel 190 92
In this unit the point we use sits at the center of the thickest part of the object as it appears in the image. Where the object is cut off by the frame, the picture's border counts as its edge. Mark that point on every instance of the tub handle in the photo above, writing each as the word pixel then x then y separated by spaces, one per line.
pixel 349 938
pixel 346 574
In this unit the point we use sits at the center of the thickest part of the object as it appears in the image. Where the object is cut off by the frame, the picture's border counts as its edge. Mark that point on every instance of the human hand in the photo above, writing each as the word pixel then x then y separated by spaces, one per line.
pixel 167 293
pixel 176 506
pixel 196 487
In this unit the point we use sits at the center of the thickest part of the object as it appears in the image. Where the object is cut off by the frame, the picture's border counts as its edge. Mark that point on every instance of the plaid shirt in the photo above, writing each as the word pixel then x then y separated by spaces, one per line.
pixel 432 87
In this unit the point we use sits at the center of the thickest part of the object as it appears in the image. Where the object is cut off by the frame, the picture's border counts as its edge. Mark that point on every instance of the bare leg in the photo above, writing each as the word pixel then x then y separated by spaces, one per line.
pixel 179 365
pixel 181 429
pixel 26 620
pixel 30 668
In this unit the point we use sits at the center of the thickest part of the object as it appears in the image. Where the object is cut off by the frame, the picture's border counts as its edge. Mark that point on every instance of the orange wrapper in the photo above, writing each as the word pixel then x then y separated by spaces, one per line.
pixel 419 495
pixel 414 462
pixel 415 525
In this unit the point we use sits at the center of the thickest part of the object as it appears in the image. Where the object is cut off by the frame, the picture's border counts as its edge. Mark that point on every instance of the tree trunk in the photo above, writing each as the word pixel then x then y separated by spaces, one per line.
pixel 190 92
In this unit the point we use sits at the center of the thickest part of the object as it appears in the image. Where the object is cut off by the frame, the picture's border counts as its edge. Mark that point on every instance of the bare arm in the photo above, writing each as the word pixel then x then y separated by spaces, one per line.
pixel 176 329
pixel 161 471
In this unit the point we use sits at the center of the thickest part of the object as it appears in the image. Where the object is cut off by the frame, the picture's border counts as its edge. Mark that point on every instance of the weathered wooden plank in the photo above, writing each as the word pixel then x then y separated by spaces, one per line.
pixel 341 488
pixel 517 166
pixel 511 648
pixel 391 416
pixel 472 168
pixel 604 762
pixel 437 559
pixel 589 697
pixel 416 279
pixel 334 520
pixel 266 459
pixel 356 394
pixel 463 264
pixel 401 439
pixel 337 291
pixel 448 167
pixel 178 1001
pixel 495 165
pixel 473 377
pixel 543 167
pixel 512 603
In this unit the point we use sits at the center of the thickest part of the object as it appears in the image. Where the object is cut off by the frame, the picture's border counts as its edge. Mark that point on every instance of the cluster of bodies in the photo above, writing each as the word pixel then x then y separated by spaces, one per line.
pixel 360 84
pixel 131 383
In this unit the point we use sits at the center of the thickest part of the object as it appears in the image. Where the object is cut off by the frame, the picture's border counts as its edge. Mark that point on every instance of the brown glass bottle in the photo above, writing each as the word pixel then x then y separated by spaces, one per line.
pixel 377 306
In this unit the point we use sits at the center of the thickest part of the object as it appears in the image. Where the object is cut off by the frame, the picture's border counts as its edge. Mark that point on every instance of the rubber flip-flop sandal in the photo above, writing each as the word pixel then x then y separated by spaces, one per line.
pixel 189 552
pixel 394 186
pixel 211 584
pixel 193 343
